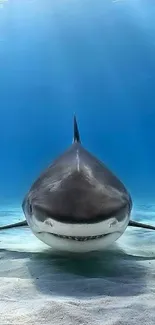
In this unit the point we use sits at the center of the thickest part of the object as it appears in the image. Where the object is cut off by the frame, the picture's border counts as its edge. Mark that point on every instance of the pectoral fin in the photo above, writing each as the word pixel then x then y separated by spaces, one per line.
pixel 140 225
pixel 13 225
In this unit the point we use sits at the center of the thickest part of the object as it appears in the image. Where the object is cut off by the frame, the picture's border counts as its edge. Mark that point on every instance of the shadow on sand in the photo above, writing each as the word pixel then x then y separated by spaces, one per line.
pixel 112 273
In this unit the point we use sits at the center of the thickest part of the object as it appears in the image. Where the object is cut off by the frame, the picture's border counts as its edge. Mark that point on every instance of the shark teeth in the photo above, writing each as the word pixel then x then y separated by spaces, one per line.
pixel 80 238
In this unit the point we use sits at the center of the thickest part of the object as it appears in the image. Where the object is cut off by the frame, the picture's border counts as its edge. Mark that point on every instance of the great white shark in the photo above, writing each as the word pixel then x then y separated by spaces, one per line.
pixel 77 204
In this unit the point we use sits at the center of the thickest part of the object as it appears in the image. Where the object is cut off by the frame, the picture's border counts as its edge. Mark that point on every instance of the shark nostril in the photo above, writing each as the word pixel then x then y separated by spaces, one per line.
pixel 113 223
pixel 49 223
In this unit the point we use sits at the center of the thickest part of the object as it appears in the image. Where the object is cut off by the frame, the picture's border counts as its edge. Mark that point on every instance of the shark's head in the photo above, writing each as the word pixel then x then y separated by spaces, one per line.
pixel 77 204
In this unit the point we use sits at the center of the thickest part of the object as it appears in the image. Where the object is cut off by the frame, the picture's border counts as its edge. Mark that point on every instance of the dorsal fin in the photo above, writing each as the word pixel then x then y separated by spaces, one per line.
pixel 76 131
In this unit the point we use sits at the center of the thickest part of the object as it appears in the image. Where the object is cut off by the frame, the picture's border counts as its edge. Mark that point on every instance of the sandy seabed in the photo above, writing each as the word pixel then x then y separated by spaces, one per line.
pixel 38 286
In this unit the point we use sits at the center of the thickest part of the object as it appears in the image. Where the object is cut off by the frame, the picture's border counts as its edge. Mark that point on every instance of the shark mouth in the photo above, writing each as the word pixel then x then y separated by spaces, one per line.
pixel 79 238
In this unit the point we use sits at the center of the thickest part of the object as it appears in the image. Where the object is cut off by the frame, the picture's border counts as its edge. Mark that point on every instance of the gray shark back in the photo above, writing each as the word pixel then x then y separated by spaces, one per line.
pixel 78 187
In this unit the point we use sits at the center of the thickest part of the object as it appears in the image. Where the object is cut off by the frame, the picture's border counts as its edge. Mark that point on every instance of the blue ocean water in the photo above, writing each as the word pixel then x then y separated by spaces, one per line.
pixel 92 58
pixel 95 58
